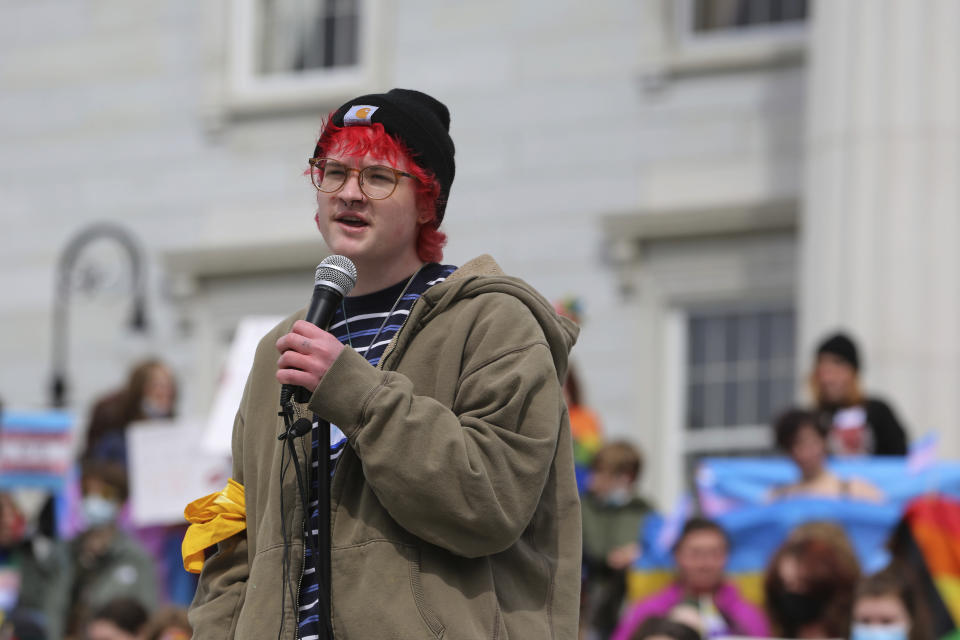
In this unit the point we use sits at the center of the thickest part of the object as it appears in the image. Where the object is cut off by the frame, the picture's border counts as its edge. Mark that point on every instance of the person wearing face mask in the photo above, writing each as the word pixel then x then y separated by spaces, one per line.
pixel 886 607
pixel 149 394
pixel 612 515
pixel 33 591
pixel 106 562
pixel 809 583
pixel 700 591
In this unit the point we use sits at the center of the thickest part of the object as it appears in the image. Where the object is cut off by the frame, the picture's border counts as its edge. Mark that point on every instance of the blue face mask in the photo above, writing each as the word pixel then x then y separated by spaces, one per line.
pixel 618 497
pixel 878 632
pixel 98 511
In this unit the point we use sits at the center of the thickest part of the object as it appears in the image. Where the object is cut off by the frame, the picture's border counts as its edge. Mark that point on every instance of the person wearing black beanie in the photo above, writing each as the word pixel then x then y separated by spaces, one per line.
pixel 453 504
pixel 418 120
pixel 856 424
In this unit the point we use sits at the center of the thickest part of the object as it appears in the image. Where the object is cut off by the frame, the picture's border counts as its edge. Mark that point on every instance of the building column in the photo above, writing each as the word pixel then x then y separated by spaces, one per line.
pixel 880 238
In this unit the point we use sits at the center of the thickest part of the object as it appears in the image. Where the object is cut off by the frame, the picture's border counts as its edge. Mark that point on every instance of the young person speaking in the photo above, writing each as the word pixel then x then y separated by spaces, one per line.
pixel 454 509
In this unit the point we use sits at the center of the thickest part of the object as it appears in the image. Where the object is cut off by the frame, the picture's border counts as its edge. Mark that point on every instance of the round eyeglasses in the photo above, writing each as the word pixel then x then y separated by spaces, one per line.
pixel 376 182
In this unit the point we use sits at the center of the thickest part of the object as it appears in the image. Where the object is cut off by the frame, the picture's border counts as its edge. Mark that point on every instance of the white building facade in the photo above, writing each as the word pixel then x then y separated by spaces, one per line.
pixel 706 175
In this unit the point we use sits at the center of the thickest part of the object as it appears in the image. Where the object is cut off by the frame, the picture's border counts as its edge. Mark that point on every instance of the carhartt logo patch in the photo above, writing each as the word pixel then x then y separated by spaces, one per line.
pixel 359 114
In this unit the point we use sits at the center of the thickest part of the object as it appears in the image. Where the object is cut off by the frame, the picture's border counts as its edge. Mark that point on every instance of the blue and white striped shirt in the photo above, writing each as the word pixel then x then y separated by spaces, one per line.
pixel 365 315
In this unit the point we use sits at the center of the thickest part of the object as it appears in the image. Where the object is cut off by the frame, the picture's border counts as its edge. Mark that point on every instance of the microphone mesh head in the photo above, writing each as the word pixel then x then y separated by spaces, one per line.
pixel 338 272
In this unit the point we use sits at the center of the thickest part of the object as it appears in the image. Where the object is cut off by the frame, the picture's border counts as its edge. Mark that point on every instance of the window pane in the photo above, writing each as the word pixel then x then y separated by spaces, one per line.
pixel 739 367
pixel 695 406
pixel 748 334
pixel 764 400
pixel 715 336
pixel 697 351
pixel 713 405
pixel 723 15
pixel 730 412
pixel 304 35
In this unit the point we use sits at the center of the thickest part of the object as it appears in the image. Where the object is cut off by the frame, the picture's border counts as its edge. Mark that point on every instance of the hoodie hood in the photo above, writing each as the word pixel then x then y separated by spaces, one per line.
pixel 480 276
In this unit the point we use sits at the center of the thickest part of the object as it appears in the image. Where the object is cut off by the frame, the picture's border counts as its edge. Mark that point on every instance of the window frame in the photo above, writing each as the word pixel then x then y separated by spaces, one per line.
pixel 750 47
pixel 247 92
pixel 712 438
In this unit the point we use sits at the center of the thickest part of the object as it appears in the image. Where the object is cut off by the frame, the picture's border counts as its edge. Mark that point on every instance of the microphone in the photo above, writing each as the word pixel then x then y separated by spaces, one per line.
pixel 335 278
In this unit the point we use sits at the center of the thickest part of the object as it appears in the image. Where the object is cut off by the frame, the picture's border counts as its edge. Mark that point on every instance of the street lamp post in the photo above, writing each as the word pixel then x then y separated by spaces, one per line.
pixel 59 387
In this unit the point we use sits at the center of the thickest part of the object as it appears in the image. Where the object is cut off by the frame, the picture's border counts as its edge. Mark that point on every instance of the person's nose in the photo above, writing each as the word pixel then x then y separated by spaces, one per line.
pixel 351 191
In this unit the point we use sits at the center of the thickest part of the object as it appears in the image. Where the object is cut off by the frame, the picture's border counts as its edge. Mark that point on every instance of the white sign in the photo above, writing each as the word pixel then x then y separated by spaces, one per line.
pixel 219 428
pixel 168 469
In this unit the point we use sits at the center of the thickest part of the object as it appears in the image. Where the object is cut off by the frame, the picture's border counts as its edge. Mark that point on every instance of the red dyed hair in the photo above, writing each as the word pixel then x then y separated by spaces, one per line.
pixel 356 142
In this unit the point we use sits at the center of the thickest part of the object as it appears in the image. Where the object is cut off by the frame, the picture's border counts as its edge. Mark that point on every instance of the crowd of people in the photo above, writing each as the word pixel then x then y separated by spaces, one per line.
pixel 813 586
pixel 109 580
pixel 106 583
pixel 456 508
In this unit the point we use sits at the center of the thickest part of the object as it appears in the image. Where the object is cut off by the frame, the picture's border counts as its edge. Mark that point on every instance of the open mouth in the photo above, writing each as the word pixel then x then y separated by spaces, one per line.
pixel 352 221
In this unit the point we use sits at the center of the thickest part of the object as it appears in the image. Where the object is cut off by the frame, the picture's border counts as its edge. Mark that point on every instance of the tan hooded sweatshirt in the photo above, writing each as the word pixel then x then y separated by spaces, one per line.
pixel 454 509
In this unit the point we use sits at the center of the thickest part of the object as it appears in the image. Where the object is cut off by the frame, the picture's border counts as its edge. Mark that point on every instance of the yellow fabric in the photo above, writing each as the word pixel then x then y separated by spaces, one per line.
pixel 750 585
pixel 212 519
pixel 642 584
pixel 949 588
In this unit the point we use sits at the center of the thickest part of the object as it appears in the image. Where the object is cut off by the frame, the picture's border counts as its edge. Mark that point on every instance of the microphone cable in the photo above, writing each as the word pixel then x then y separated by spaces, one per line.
pixel 295 431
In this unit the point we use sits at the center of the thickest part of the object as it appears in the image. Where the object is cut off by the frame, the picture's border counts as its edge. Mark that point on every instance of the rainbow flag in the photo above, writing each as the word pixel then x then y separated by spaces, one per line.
pixel 587 440
pixel 934 523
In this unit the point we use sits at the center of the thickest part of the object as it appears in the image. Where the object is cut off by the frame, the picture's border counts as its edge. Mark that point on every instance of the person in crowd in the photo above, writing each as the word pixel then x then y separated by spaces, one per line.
pixel 809 583
pixel 29 549
pixel 887 607
pixel 700 554
pixel 455 505
pixel 612 516
pixel 170 623
pixel 910 562
pixel 659 628
pixel 119 619
pixel 584 423
pixel 802 437
pixel 149 394
pixel 856 424
pixel 22 625
pixel 106 562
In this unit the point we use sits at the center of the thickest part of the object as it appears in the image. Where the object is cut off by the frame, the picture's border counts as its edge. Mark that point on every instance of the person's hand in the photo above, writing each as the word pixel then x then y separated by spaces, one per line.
pixel 306 354
pixel 622 557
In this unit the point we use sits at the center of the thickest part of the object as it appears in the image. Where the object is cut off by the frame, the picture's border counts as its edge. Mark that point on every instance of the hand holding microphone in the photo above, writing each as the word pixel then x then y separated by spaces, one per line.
pixel 306 354
pixel 308 350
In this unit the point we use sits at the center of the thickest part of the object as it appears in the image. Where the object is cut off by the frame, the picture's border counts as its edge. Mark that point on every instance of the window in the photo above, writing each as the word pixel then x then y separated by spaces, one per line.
pixel 739 375
pixel 296 36
pixel 309 54
pixel 722 15
pixel 739 367
pixel 710 35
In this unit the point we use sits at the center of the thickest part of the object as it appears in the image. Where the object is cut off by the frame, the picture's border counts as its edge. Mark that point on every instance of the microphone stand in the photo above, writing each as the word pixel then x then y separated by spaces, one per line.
pixel 323 529
pixel 321 544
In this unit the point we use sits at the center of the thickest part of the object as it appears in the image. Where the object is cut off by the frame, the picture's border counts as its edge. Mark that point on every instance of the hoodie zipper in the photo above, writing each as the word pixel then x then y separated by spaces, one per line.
pixel 387 351
pixel 303 561
pixel 303 566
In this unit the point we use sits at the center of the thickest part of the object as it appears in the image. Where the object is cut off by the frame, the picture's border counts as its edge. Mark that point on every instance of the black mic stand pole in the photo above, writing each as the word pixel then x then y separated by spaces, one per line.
pixel 323 529
pixel 321 546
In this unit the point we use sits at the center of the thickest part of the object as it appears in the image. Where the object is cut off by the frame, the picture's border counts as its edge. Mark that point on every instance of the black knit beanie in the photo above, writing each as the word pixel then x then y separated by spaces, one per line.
pixel 840 345
pixel 419 121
